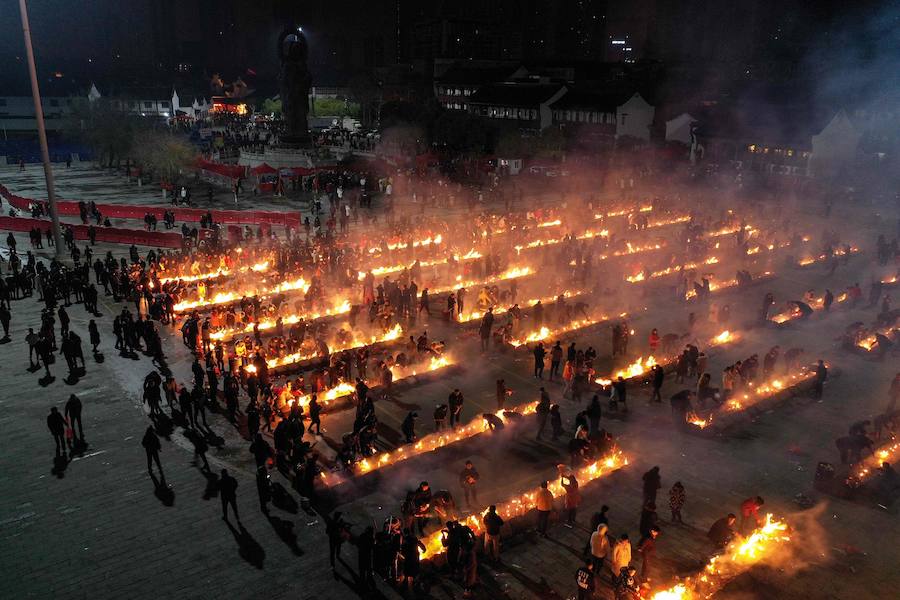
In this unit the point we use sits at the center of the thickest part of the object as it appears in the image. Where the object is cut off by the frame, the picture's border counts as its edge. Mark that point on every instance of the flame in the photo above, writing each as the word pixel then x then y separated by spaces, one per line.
pixel 695 419
pixel 766 389
pixel 341 307
pixel 888 453
pixel 544 332
pixel 740 555
pixel 436 440
pixel 499 310
pixel 673 269
pixel 555 223
pixel 227 297
pixel 357 341
pixel 522 504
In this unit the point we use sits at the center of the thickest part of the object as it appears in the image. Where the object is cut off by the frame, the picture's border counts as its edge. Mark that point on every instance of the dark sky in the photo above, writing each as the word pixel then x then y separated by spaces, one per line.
pixel 843 46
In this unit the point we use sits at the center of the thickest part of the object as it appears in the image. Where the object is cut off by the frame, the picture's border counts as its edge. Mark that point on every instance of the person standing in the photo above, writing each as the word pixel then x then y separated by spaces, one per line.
pixel 572 499
pixel 468 480
pixel 93 335
pixel 228 492
pixel 73 415
pixel 151 445
pixel 455 402
pixel 599 547
pixel 584 579
pixel 652 484
pixel 315 412
pixel 821 376
pixel 543 412
pixel 621 554
pixel 556 353
pixel 539 354
pixel 336 530
pixel 485 328
pixel 492 525
pixel 5 318
pixel 56 423
pixel 676 501
pixel 365 547
pixel 544 505
pixel 647 549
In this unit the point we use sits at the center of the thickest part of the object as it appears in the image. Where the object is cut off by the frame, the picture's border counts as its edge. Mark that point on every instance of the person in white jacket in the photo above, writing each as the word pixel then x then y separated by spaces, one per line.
pixel 599 547
pixel 621 554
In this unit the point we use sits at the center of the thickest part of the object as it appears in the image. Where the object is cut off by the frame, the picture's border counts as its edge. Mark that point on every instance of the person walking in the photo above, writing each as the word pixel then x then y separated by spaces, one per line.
pixel 455 404
pixel 73 415
pixel 573 498
pixel 492 525
pixel 56 423
pixel 228 493
pixel 151 445
pixel 93 335
pixel 544 505
pixel 821 377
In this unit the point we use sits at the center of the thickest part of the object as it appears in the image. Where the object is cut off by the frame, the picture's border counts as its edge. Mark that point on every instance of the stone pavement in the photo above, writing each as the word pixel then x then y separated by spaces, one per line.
pixel 100 531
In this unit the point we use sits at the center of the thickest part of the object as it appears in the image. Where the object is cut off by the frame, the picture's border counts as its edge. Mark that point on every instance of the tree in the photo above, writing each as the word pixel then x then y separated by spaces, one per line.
pixel 366 91
pixel 271 106
pixel 109 132
pixel 163 154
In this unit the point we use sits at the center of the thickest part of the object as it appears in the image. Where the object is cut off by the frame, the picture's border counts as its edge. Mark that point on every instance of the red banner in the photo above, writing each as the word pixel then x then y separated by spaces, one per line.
pixel 112 235
pixel 128 211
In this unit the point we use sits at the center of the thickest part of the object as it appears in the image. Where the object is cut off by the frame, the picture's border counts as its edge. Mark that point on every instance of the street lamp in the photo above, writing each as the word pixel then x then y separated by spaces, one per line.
pixel 42 132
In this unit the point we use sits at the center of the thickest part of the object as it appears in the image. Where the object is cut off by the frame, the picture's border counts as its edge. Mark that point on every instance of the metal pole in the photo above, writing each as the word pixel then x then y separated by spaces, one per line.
pixel 42 132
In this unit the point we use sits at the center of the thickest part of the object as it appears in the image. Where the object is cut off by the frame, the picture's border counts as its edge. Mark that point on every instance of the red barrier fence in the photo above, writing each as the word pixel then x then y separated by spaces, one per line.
pixel 127 211
pixel 112 235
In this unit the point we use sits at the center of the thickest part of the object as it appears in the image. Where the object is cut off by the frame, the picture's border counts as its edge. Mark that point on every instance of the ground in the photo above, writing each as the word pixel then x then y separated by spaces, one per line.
pixel 99 530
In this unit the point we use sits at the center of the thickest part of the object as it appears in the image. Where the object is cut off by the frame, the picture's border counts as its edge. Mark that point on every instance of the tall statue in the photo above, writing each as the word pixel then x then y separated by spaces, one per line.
pixel 295 81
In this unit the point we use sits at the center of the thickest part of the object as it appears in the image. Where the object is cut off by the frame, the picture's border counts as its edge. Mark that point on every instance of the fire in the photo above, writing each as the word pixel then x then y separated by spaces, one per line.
pixel 344 389
pixel 673 269
pixel 723 338
pixel 436 440
pixel 869 465
pixel 521 505
pixel 499 310
pixel 545 332
pixel 740 555
pixel 555 223
pixel 428 241
pixel 740 401
pixel 227 297
pixel 641 367
pixel 823 257
pixel 341 307
pixel 356 342
pixel 695 419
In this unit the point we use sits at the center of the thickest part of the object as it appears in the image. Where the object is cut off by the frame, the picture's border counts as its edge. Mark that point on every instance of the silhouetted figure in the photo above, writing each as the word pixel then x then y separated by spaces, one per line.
pixel 228 493
pixel 151 445
pixel 57 426
pixel 73 414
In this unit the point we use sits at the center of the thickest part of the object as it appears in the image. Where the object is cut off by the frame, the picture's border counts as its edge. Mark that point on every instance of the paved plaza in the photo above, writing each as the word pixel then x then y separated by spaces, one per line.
pixel 101 528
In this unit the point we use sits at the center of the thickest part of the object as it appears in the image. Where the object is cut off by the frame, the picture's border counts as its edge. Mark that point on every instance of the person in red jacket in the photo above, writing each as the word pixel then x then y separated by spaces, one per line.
pixel 750 508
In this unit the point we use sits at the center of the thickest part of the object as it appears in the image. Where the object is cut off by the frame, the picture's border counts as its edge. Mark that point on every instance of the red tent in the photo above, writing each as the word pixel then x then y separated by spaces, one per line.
pixel 264 169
